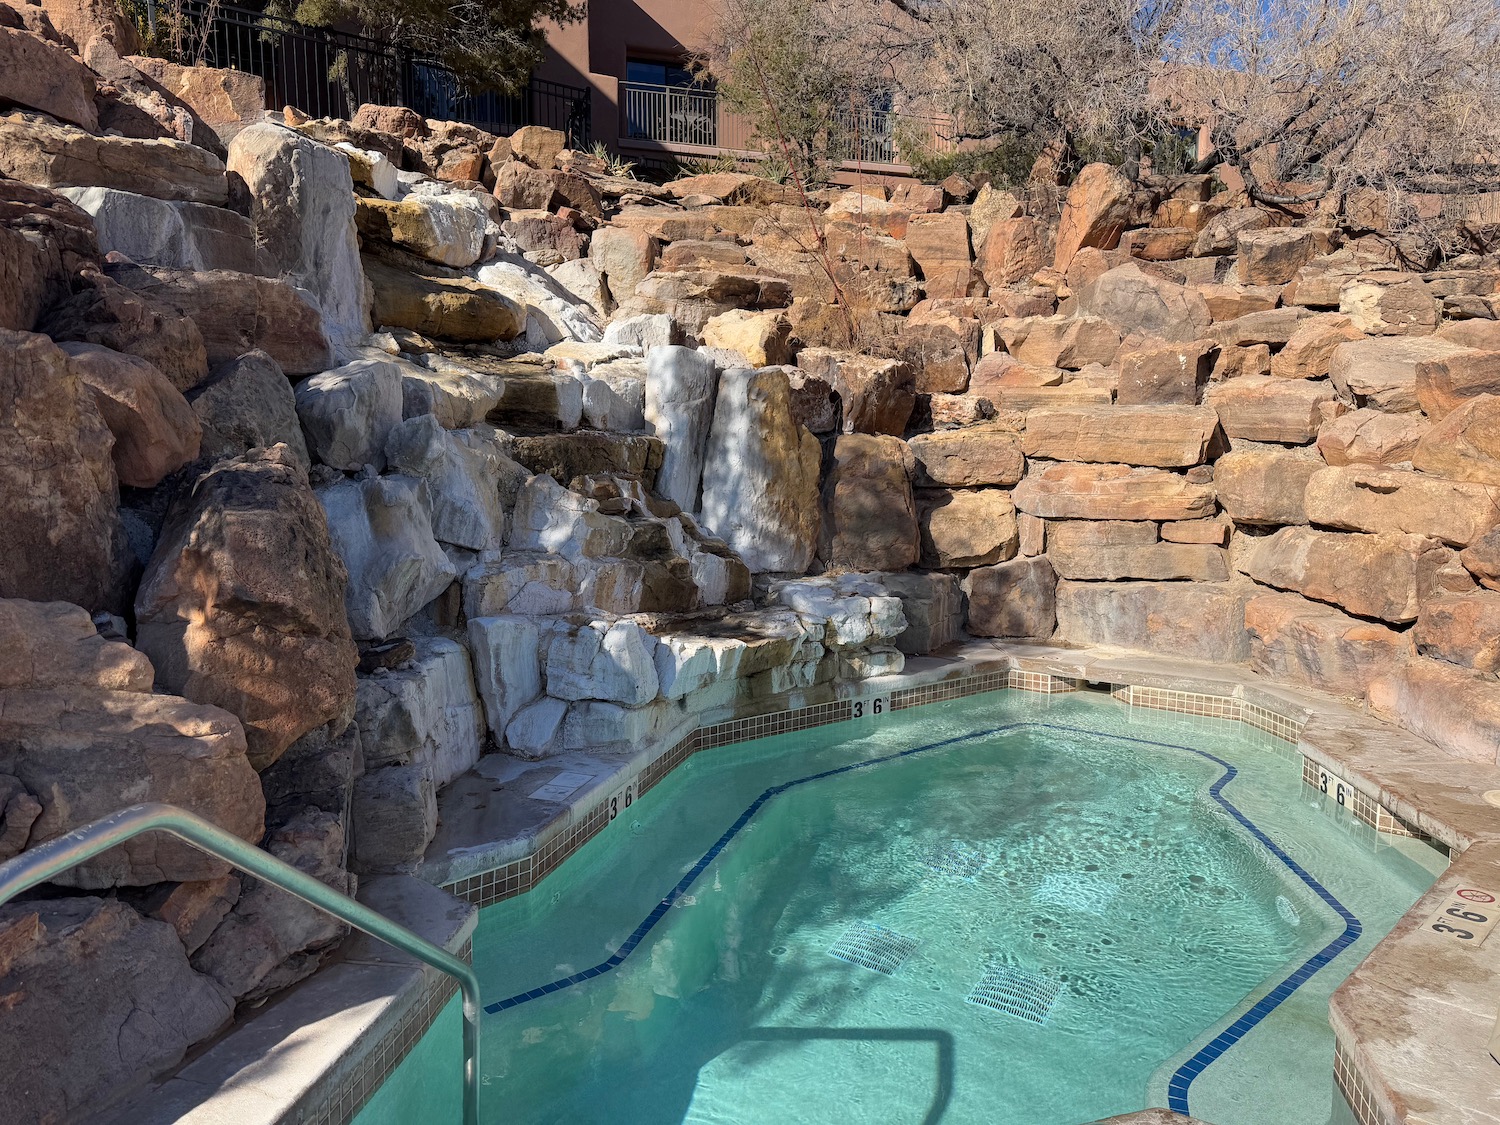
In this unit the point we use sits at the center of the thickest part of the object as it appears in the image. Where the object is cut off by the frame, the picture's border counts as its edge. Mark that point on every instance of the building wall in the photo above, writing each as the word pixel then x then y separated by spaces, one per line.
pixel 592 52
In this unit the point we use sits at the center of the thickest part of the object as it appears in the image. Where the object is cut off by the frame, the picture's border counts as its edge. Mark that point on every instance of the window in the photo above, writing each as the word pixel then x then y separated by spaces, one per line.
pixel 653 73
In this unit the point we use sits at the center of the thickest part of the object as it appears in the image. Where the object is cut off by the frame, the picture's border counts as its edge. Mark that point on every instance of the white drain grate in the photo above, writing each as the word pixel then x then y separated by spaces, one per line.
pixel 1017 992
pixel 874 947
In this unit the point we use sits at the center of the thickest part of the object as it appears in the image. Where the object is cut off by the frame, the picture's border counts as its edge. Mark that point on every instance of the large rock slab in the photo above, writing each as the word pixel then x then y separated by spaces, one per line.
pixel 50 154
pixel 1012 599
pixel 1306 642
pixel 102 311
pixel 447 230
pixel 237 313
pixel 43 76
pixel 97 997
pixel 448 308
pixel 222 101
pixel 1150 436
pixel 967 528
pixel 425 712
pixel 1265 485
pixel 1456 710
pixel 349 412
pixel 1393 502
pixel 1071 342
pixel 463 479
pixel 610 661
pixel 507 668
pixel 155 430
pixel 969 457
pixel 1273 256
pixel 1382 373
pixel 939 244
pixel 1137 301
pixel 1188 620
pixel 870 516
pixel 1379 576
pixel 242 605
pixel 1461 629
pixel 681 389
pixel 55 645
pixel 1445 382
pixel 1465 445
pixel 45 240
pixel 382 529
pixel 1097 210
pixel 177 235
pixel 1159 373
pixel 760 475
pixel 58 491
pixel 1371 437
pixel 78 750
pixel 301 200
pixel 877 394
pixel 1111 492
pixel 1265 408
pixel 1150 561
pixel 247 403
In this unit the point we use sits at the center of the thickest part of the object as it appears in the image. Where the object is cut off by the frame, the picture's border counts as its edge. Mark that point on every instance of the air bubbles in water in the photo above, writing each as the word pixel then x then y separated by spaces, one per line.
pixel 637 828
pixel 1287 911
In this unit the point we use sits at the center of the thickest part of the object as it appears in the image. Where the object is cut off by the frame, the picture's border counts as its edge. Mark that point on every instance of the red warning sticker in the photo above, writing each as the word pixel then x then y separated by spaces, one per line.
pixel 1474 896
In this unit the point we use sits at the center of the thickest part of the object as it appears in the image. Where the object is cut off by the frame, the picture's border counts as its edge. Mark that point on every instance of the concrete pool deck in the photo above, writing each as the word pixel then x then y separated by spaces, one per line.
pixel 1411 1022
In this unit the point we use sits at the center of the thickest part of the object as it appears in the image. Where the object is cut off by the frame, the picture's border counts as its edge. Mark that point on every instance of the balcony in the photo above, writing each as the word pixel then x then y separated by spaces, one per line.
pixel 689 121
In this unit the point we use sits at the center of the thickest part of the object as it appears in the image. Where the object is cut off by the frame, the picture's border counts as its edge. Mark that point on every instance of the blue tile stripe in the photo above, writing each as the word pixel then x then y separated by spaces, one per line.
pixel 1182 1078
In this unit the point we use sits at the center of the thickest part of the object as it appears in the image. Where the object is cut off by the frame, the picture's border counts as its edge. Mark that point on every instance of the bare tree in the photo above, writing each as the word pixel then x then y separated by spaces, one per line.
pixel 1313 100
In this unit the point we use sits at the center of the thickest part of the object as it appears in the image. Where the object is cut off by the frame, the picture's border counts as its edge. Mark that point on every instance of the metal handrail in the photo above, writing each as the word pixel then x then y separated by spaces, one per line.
pixel 46 861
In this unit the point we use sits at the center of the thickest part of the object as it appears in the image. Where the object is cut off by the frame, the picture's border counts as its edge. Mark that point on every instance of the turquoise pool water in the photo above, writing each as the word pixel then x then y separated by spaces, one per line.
pixel 1136 917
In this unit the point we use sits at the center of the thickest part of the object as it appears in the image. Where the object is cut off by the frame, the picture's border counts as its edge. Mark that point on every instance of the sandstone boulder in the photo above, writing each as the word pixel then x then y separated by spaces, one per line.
pixel 154 428
pixel 1111 492
pixel 51 154
pixel 967 528
pixel 1265 408
pixel 1152 436
pixel 1382 373
pixel 102 311
pixel 1071 342
pixel 1463 630
pixel 507 670
pixel 1310 643
pixel 45 240
pixel 96 997
pixel 1273 256
pixel 1371 437
pixel 877 394
pixel 223 102
pixel 448 308
pixel 247 403
pixel 63 539
pixel 1444 382
pixel 1150 561
pixel 462 470
pixel 939 244
pixel 1392 502
pixel 1011 250
pixel 1380 576
pixel 77 750
pixel 1187 620
pixel 1160 373
pixel 623 257
pixel 424 713
pixel 538 145
pixel 449 230
pixel 43 76
pixel 762 338
pixel 1012 599
pixel 1408 307
pixel 242 605
pixel 301 200
pixel 1097 211
pixel 870 516
pixel 1265 485
pixel 1464 446
pixel 55 645
pixel 976 455
pixel 1308 353
pixel 237 313
pixel 177 235
pixel 1136 301
pixel 1454 709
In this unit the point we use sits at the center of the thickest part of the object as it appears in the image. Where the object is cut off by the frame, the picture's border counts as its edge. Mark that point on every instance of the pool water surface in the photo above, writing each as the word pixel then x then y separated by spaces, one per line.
pixel 1010 908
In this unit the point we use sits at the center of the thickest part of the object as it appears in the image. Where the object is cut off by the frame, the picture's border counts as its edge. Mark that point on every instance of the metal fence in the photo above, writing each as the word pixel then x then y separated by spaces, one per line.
pixel 327 73
pixel 675 116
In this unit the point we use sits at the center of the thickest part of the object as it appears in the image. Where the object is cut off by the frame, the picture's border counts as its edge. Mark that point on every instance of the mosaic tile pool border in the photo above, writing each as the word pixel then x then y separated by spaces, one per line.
pixel 383 1057
pixel 1356 1090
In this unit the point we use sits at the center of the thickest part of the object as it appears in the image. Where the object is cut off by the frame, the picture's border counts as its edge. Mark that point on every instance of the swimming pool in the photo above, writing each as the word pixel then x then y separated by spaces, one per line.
pixel 1008 908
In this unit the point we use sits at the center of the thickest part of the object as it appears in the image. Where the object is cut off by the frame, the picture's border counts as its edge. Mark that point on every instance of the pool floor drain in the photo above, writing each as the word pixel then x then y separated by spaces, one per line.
pixel 1015 992
pixel 874 947
pixel 958 861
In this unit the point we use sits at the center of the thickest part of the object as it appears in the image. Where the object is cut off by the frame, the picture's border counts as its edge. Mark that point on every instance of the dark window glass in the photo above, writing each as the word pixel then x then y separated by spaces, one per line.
pixel 657 73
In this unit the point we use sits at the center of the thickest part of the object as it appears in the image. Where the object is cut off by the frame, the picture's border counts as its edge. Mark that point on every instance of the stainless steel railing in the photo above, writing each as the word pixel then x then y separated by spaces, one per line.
pixel 46 861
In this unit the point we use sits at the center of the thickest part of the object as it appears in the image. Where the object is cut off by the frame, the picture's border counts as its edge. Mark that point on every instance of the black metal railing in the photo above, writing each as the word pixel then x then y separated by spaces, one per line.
pixel 327 73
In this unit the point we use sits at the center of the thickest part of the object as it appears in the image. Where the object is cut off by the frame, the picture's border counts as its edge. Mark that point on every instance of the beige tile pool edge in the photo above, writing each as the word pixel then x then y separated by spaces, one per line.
pixel 1400 784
